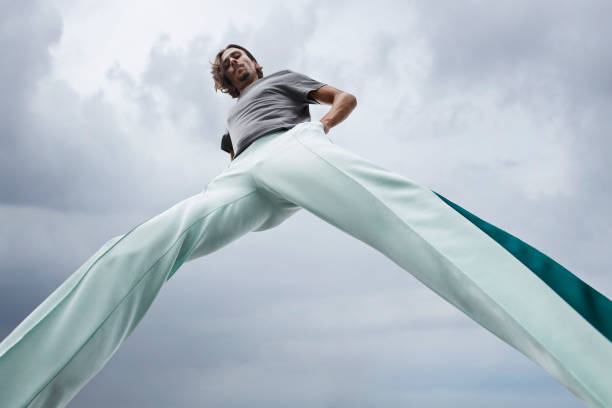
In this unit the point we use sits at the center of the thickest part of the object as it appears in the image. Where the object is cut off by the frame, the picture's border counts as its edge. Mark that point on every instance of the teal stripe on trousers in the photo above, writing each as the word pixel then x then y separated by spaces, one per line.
pixel 592 305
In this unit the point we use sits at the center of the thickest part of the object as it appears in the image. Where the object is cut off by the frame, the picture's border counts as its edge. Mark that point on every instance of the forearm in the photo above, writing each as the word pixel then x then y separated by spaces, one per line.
pixel 341 107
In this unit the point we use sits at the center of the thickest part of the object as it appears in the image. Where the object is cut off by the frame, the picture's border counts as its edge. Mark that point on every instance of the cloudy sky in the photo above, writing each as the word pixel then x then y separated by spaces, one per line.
pixel 108 116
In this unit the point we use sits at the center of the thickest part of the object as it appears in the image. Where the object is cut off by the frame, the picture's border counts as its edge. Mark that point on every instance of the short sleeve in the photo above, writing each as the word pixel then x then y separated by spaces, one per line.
pixel 226 143
pixel 301 85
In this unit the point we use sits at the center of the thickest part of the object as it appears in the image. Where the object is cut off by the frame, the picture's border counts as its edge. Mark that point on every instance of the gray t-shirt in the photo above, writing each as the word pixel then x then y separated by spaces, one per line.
pixel 275 102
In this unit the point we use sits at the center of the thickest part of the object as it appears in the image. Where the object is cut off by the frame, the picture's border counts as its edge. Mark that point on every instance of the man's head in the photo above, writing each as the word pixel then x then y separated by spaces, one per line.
pixel 234 69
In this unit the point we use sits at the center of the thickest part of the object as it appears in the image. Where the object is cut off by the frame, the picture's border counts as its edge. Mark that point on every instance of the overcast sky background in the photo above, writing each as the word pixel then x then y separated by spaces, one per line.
pixel 108 116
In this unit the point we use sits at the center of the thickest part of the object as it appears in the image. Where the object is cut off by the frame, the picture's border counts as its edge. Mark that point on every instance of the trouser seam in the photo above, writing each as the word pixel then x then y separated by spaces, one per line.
pixel 73 287
pixel 444 256
pixel 131 289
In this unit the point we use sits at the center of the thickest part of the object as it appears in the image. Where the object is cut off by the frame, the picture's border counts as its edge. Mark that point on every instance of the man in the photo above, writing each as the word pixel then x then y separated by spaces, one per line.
pixel 235 69
pixel 282 162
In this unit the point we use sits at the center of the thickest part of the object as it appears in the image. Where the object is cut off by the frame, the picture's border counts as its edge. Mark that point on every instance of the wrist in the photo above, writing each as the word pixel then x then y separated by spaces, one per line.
pixel 326 125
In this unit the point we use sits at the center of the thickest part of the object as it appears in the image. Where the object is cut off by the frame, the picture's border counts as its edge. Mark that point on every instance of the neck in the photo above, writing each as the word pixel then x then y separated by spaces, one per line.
pixel 247 84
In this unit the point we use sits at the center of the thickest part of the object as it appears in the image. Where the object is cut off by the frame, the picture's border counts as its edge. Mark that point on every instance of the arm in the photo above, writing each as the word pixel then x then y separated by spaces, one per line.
pixel 342 104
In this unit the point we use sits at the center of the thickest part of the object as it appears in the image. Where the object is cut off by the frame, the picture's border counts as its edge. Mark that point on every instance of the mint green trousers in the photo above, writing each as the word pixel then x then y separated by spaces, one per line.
pixel 64 342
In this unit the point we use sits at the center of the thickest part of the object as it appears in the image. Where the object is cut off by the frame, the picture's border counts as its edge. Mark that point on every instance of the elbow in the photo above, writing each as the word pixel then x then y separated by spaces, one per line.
pixel 352 100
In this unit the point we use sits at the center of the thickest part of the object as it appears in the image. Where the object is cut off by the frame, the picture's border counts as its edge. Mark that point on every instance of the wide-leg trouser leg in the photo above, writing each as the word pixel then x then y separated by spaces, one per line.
pixel 418 231
pixel 71 335
pixel 75 331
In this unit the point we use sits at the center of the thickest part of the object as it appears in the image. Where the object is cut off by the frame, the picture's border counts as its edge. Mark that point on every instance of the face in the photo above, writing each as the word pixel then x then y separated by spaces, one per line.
pixel 239 68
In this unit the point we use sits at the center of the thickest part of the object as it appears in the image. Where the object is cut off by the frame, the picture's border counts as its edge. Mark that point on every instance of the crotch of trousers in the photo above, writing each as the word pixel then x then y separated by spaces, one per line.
pixel 69 337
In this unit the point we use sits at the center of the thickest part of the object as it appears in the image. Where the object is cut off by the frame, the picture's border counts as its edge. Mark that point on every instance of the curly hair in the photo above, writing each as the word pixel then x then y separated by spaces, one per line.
pixel 218 73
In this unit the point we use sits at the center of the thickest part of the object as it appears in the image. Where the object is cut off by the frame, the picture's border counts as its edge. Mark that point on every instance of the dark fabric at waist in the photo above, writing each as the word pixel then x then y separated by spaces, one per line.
pixel 248 143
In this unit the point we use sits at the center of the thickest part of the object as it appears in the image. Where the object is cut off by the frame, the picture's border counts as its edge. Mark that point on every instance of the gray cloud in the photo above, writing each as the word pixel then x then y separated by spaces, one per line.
pixel 63 150
pixel 176 84
pixel 25 59
pixel 550 61
pixel 280 41
pixel 530 43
